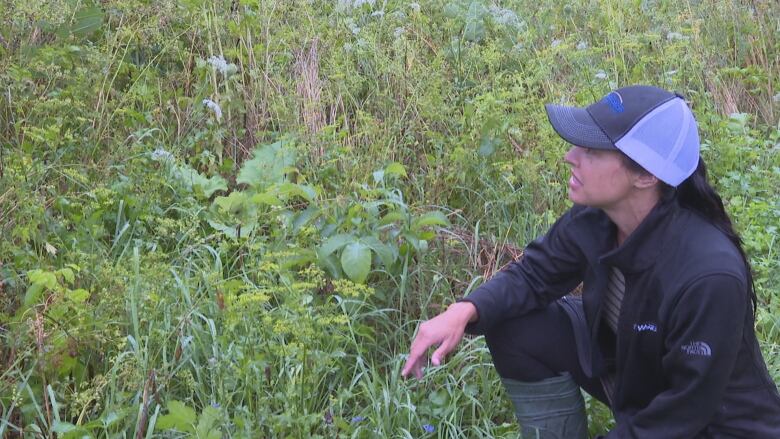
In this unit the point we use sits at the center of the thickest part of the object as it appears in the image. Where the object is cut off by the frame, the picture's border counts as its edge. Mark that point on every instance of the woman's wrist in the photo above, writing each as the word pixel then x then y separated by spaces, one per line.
pixel 465 310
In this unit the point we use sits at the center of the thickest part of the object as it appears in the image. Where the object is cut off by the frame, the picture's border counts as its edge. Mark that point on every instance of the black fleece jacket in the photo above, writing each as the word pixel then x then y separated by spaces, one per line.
pixel 687 359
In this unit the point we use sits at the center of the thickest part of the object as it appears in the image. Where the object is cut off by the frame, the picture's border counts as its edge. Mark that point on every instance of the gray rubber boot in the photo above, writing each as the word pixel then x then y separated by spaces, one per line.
pixel 549 409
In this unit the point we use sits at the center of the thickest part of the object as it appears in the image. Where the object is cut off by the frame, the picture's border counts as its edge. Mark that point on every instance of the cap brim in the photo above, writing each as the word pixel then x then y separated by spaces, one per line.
pixel 576 126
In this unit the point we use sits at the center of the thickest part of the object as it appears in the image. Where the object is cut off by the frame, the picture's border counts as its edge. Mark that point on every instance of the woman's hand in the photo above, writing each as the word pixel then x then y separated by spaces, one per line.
pixel 444 331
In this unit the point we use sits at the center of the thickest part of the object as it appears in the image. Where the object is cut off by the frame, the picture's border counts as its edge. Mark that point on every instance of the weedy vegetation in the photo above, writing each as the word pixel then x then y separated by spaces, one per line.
pixel 227 218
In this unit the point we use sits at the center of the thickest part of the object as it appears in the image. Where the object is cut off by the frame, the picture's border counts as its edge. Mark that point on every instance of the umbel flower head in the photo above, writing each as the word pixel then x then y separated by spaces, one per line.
pixel 213 106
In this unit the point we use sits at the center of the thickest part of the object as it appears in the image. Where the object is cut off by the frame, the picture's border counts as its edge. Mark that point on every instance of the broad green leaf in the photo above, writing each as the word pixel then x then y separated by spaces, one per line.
pixel 268 165
pixel 300 258
pixel 288 190
pixel 32 295
pixel 205 429
pixel 46 279
pixel 179 417
pixel 211 185
pixel 334 243
pixel 234 204
pixel 330 264
pixel 386 253
pixel 40 281
pixel 266 198
pixel 87 21
pixel 232 231
pixel 488 140
pixel 203 186
pixel 434 218
pixel 303 218
pixel 60 427
pixel 395 168
pixel 356 261
pixel 79 295
pixel 67 274
pixel 392 217
pixel 475 22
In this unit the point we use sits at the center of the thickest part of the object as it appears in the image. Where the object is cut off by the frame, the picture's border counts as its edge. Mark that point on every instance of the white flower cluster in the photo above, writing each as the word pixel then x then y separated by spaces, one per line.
pixel 582 45
pixel 414 6
pixel 343 5
pixel 506 17
pixel 213 106
pixel 675 36
pixel 219 63
pixel 161 154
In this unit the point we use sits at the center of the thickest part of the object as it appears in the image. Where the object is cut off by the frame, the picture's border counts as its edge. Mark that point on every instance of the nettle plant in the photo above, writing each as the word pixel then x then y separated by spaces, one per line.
pixel 370 228
pixel 375 227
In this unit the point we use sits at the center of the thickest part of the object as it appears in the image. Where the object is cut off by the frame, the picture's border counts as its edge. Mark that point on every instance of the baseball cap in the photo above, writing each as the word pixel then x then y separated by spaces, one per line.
pixel 652 126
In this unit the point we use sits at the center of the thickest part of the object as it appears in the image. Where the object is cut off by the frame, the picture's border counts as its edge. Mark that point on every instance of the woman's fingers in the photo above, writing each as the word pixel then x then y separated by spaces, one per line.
pixel 444 331
pixel 417 352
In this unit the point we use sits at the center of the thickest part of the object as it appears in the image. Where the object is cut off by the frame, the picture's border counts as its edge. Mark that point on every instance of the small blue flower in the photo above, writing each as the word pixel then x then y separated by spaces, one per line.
pixel 215 405
pixel 357 419
pixel 429 428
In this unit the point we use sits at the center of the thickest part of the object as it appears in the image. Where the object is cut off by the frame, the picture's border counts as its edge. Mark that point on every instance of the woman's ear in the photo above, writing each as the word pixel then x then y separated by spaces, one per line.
pixel 644 180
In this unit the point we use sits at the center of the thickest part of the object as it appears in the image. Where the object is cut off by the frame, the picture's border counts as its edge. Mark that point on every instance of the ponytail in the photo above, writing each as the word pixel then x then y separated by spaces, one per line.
pixel 696 194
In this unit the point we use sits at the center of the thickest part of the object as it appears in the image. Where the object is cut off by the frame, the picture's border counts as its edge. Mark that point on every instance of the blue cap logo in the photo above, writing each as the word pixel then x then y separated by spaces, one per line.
pixel 615 102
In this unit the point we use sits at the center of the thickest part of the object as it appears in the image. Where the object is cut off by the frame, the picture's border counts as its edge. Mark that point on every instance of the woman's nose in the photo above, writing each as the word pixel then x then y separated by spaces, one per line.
pixel 570 155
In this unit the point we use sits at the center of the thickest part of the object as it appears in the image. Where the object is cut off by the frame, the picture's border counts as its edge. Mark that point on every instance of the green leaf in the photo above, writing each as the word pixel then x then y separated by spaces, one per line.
pixel 289 190
pixel 392 217
pixel 334 243
pixel 46 279
pixel 330 264
pixel 40 281
pixel 203 186
pixel 488 139
pixel 32 295
pixel 68 275
pixel 386 253
pixel 268 166
pixel 79 296
pixel 266 198
pixel 434 218
pixel 475 22
pixel 205 429
pixel 179 417
pixel 87 21
pixel 356 261
pixel 396 168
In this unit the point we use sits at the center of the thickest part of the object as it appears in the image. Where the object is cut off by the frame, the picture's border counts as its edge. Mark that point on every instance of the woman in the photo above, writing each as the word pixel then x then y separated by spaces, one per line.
pixel 663 332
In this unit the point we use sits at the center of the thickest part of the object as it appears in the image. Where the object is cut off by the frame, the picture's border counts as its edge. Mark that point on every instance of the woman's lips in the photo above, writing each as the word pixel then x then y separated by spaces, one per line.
pixel 574 182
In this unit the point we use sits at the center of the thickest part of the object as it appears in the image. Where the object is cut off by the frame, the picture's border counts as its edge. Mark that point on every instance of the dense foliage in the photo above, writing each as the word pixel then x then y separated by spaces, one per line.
pixel 226 218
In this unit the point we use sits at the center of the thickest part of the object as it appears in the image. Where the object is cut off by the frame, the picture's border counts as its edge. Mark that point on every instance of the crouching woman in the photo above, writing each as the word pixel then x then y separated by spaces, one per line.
pixel 663 332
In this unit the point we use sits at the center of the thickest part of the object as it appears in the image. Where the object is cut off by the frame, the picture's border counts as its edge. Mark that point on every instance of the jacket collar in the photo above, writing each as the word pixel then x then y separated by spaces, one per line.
pixel 643 247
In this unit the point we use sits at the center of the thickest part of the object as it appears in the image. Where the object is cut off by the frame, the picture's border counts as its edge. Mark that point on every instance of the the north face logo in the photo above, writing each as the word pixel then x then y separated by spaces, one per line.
pixel 615 102
pixel 697 348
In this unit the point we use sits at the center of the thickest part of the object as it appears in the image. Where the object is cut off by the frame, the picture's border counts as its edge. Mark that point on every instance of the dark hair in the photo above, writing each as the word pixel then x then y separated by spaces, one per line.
pixel 696 194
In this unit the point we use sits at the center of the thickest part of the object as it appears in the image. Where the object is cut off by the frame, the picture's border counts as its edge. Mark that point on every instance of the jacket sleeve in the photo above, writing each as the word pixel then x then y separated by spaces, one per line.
pixel 551 267
pixel 702 343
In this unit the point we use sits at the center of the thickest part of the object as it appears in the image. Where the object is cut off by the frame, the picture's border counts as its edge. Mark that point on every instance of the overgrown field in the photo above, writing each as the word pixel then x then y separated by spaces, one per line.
pixel 227 218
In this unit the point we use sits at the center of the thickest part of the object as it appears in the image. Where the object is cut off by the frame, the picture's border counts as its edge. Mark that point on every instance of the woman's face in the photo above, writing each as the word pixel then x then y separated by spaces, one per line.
pixel 599 178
